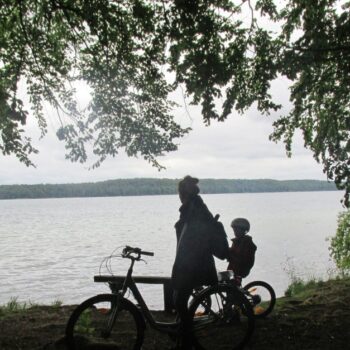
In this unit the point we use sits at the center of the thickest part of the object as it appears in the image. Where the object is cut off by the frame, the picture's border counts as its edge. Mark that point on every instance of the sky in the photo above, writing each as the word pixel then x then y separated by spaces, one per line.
pixel 238 148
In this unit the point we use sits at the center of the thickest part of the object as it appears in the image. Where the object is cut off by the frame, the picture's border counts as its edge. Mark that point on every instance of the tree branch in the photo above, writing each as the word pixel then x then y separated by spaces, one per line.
pixel 321 49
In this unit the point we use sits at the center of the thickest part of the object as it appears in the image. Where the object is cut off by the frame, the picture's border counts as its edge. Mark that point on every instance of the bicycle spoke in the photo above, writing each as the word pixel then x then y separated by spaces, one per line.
pixel 99 323
pixel 226 322
pixel 261 296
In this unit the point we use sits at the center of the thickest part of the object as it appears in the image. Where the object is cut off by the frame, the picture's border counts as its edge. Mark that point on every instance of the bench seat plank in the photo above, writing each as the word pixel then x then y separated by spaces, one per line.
pixel 137 279
pixel 165 281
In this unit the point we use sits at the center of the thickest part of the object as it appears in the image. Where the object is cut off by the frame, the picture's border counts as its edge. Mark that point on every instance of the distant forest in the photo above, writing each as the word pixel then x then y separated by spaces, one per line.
pixel 148 186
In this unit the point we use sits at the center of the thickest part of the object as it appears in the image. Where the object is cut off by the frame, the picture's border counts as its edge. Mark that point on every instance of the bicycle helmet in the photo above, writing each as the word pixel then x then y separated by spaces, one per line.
pixel 241 223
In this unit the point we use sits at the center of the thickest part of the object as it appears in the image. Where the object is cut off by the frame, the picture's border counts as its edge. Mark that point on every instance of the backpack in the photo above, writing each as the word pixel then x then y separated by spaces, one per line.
pixel 249 256
pixel 218 243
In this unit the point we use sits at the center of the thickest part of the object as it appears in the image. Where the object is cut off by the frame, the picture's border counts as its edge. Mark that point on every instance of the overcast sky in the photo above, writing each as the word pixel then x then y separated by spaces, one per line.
pixel 237 148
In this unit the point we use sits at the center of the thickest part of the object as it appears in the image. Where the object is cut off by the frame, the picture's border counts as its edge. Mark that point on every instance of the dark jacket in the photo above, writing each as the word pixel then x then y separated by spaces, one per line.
pixel 194 264
pixel 242 255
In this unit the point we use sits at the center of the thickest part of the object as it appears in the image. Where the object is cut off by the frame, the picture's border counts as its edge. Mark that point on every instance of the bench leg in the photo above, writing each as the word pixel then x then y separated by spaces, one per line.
pixel 168 297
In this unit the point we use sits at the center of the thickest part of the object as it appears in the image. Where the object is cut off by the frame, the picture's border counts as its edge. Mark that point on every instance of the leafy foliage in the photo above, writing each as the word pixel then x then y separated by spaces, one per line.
pixel 318 63
pixel 122 49
pixel 116 47
pixel 340 243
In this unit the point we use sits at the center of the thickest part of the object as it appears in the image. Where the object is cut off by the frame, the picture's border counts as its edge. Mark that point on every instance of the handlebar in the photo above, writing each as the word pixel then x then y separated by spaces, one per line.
pixel 147 253
pixel 130 250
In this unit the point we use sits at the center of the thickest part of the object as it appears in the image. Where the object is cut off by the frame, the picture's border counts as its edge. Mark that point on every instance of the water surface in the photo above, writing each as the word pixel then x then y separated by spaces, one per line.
pixel 52 248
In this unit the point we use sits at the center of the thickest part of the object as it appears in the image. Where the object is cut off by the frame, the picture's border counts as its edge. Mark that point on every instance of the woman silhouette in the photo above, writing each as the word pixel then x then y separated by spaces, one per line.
pixel 194 263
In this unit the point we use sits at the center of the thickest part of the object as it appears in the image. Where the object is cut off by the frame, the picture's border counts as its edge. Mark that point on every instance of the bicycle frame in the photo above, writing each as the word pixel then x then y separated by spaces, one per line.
pixel 105 309
pixel 164 327
pixel 129 283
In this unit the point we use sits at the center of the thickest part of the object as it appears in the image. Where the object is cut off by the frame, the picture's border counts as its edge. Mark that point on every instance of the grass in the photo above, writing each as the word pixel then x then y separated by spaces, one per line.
pixel 57 303
pixel 315 291
pixel 13 306
pixel 84 323
pixel 301 288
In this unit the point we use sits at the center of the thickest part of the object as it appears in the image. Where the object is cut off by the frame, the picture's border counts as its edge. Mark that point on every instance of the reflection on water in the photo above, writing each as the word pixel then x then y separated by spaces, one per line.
pixel 51 248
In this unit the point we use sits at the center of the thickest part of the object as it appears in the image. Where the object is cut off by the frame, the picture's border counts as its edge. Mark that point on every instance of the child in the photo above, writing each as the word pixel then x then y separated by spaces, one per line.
pixel 242 252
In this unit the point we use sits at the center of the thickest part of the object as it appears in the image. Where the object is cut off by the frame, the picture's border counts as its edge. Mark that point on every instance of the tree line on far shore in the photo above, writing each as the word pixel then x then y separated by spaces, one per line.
pixel 149 186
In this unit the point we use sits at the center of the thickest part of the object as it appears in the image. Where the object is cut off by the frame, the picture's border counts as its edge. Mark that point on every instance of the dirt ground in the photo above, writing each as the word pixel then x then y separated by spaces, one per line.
pixel 319 319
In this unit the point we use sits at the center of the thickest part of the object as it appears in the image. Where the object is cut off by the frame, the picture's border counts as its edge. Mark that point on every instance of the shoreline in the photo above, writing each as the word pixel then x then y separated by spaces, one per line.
pixel 155 187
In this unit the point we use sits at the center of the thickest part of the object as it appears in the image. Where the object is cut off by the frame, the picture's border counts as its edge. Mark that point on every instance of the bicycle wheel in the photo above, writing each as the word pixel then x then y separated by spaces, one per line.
pixel 262 297
pixel 227 323
pixel 104 322
pixel 195 293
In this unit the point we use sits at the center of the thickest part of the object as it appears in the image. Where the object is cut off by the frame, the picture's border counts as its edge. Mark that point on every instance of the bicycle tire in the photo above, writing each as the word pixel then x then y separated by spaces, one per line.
pixel 265 306
pixel 228 325
pixel 86 327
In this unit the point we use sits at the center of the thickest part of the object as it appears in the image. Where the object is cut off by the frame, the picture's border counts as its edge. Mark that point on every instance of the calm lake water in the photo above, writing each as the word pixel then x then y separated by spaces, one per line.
pixel 52 248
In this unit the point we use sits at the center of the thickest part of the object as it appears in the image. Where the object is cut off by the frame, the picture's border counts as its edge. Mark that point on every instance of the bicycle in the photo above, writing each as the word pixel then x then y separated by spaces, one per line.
pixel 111 321
pixel 260 294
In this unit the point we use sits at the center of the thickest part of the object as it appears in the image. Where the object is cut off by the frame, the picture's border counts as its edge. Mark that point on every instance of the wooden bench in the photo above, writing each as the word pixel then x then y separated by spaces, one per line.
pixel 115 281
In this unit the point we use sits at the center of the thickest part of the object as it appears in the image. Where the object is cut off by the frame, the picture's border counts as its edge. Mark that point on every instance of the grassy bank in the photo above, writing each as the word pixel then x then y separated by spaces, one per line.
pixel 315 315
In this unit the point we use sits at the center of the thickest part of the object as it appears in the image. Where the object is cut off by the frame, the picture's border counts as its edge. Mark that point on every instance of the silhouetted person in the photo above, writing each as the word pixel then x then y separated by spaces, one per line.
pixel 194 264
pixel 242 252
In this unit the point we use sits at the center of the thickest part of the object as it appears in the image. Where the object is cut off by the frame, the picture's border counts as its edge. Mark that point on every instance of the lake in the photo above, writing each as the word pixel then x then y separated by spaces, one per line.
pixel 52 248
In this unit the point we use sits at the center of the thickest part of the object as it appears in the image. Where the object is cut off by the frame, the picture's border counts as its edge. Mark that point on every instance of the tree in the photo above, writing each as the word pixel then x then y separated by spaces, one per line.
pixel 340 243
pixel 122 50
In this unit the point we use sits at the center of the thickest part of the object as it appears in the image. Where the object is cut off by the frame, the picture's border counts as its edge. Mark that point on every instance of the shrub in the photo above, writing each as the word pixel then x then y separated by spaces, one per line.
pixel 340 243
pixel 299 286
